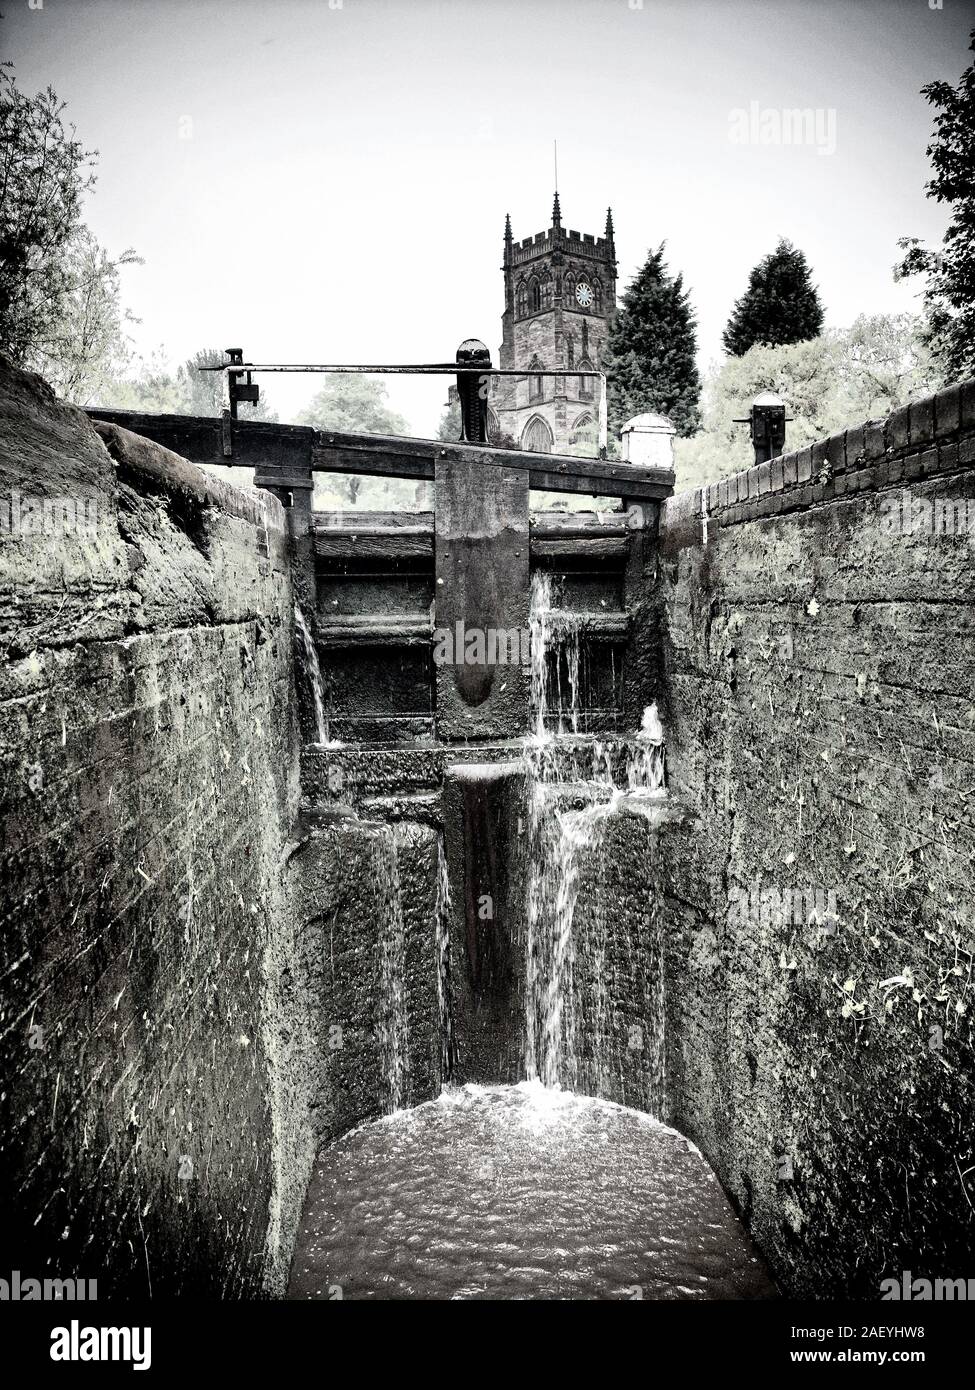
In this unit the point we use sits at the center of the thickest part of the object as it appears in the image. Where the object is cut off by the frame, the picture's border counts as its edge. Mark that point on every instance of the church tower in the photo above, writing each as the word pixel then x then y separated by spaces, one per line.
pixel 559 300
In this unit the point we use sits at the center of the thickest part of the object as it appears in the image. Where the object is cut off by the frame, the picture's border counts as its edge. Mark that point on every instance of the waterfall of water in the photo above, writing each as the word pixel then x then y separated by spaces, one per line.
pixel 539 619
pixel 561 833
pixel 442 929
pixel 392 1021
pixel 561 841
pixel 312 672
pixel 552 633
pixel 572 797
pixel 645 762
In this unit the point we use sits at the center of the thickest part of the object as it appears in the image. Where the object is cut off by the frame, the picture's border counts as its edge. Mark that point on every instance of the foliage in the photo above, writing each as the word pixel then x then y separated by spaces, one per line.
pixel 356 404
pixel 44 174
pixel 87 347
pixel 150 384
pixel 352 404
pixel 781 304
pixel 650 351
pixel 832 382
pixel 449 429
pixel 949 295
pixel 60 307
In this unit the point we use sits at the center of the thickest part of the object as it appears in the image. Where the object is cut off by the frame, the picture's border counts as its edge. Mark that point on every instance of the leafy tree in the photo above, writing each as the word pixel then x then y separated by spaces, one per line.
pixel 781 304
pixel 356 404
pixel 201 392
pixel 949 296
pixel 44 174
pixel 450 426
pixel 152 385
pixel 650 351
pixel 60 308
pixel 87 348
pixel 829 383
pixel 147 384
pixel 353 404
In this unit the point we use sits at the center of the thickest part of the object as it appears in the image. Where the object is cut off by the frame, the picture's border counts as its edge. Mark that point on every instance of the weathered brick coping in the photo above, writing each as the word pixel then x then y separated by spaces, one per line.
pixel 934 436
pixel 173 473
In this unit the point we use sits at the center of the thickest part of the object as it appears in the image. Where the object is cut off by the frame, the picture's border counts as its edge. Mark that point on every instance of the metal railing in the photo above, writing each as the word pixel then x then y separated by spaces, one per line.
pixel 473 364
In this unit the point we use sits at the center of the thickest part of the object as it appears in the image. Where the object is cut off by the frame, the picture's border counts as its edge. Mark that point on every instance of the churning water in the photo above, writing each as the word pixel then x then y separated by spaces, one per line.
pixel 518 1192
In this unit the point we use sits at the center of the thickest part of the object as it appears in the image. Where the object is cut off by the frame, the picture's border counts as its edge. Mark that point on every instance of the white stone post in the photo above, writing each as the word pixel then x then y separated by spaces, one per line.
pixel 648 440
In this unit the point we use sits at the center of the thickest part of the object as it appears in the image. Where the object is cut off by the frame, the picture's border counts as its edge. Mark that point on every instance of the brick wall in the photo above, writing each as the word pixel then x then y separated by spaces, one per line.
pixel 149 1139
pixel 820 664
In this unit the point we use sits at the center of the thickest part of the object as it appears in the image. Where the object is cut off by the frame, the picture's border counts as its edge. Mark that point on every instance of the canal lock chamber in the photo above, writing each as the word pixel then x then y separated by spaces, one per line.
pixel 477 871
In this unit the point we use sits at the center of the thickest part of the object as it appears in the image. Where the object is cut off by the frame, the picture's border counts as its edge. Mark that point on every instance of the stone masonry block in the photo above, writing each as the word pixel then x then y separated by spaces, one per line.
pixel 898 429
pixel 947 411
pixel 874 439
pixel 921 422
pixel 836 452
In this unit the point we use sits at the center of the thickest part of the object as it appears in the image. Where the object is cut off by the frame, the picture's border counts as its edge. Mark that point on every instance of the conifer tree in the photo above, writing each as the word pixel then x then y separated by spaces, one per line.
pixel 650 351
pixel 781 304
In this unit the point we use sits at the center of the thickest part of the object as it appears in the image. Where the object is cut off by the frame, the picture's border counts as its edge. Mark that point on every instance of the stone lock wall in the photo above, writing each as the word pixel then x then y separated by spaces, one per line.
pixel 149 775
pixel 819 649
pixel 363 894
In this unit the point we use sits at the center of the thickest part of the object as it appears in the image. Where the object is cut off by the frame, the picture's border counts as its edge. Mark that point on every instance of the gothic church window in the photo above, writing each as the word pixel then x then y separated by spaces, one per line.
pixel 584 431
pixel 521 299
pixel 534 296
pixel 536 382
pixel 537 437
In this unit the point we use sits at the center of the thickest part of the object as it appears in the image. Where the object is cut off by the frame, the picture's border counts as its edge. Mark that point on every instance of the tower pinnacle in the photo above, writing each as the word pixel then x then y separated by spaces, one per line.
pixel 556 211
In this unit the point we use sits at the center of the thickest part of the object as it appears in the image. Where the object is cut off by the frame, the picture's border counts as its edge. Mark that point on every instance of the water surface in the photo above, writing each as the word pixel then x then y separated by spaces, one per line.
pixel 520 1192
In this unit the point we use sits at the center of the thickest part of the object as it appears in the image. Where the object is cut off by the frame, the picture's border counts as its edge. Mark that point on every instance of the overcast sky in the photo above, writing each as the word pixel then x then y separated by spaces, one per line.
pixel 326 181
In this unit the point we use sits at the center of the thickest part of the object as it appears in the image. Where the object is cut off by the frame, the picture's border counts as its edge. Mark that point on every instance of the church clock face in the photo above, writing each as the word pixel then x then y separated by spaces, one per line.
pixel 584 295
